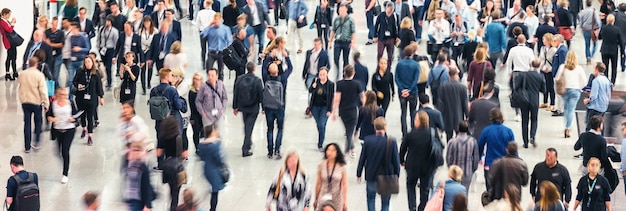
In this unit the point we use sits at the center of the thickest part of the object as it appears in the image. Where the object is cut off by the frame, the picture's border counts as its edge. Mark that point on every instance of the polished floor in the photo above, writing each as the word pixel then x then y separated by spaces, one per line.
pixel 97 167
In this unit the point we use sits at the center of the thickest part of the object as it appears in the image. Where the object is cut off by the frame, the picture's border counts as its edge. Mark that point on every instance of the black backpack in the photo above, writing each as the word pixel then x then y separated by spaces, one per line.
pixel 159 105
pixel 436 151
pixel 231 58
pixel 244 87
pixel 273 95
pixel 27 195
pixel 436 82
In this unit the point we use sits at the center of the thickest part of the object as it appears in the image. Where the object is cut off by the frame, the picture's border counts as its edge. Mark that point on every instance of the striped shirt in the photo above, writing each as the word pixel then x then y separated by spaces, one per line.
pixel 463 152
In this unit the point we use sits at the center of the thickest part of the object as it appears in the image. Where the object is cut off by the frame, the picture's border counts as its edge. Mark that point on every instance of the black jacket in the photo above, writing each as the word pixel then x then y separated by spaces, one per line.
pixel 241 49
pixel 93 88
pixel 415 153
pixel 322 61
pixel 533 82
pixel 256 87
pixel 558 175
pixel 135 46
pixel 323 18
pixel 620 20
pixel 611 39
pixel 330 93
pixel 89 27
pixel 563 18
pixel 118 22
pixel 263 17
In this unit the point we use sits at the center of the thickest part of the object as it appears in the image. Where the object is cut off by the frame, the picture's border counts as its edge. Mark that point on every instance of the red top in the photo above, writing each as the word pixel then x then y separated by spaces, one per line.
pixel 5 28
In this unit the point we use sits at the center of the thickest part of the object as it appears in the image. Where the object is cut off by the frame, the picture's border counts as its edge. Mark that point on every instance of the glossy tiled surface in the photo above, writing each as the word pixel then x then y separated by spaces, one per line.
pixel 97 167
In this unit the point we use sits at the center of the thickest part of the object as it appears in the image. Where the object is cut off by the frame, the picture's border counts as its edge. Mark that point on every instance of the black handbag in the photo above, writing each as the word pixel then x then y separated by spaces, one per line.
pixel 282 13
pixel 387 183
pixel 519 96
pixel 14 38
pixel 303 23
pixel 225 173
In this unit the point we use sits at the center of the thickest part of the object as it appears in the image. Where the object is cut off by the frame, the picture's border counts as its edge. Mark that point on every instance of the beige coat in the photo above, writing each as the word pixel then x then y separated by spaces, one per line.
pixel 33 88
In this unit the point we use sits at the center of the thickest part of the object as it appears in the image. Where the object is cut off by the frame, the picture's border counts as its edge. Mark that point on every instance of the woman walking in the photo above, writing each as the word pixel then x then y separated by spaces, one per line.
pixel 475 73
pixel 147 32
pixel 128 74
pixel 594 191
pixel 322 96
pixel 510 202
pixel 211 152
pixel 195 118
pixel 383 85
pixel 323 21
pixel 89 93
pixel 332 179
pixel 290 188
pixel 6 27
pixel 182 87
pixel 60 115
pixel 575 78
pixel 367 114
pixel 176 58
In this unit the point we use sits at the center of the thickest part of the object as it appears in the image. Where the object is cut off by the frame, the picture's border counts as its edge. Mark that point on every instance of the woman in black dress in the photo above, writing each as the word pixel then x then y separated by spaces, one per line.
pixel 128 74
pixel 383 85
pixel 89 93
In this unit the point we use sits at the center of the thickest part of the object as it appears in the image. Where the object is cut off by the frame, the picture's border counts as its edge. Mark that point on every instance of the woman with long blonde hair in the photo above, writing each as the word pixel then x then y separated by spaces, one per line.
pixel 546 54
pixel 575 78
pixel 195 119
pixel 277 54
pixel 476 70
pixel 42 23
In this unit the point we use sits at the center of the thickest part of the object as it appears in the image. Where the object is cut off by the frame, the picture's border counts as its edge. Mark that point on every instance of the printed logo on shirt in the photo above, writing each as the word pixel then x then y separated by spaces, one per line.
pixel 555 174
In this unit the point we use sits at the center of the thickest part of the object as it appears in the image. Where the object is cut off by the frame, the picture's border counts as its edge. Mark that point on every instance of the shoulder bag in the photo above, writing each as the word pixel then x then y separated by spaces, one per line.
pixel 304 22
pixel 594 32
pixel 386 182
pixel 436 202
pixel 14 38
pixel 519 96
pixel 277 190
pixel 559 85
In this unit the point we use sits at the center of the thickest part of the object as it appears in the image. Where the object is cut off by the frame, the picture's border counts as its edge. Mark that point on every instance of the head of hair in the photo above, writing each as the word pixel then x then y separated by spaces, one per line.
pixel 621 7
pixel 548 37
pixel 170 10
pixel 90 198
pixel 495 14
pixel 535 63
pixel 176 47
pixel 370 103
pixel 242 17
pixel 356 56
pixel 562 3
pixel 489 75
pixel 514 197
pixel 442 57
pixel 595 122
pixel 452 71
pixel 551 195
pixel 610 19
pixel 5 11
pixel 348 71
pixel 292 154
pixel 110 18
pixel 130 103
pixel 495 115
pixel 547 19
pixel 463 126
pixel 517 31
pixel 558 37
pixel 40 54
pixel 406 23
pixel 531 8
pixel 380 123
pixel 480 55
pixel 423 118
pixel 17 161
pixel 460 203
pixel 455 173
pixel 340 157
pixel 233 3
pixel 589 2
pixel 71 3
pixel 600 67
pixel 329 205
pixel 551 149
pixel 511 148
pixel 271 28
pixel 250 66
pixel 164 72
pixel 274 44
pixel 33 62
pixel 593 159
pixel 424 98
pixel 410 49
pixel 169 128
pixel 209 129
pixel 188 199
pixel 571 60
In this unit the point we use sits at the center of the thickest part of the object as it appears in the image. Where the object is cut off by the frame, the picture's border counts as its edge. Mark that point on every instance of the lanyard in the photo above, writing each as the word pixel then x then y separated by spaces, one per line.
pixel 330 176
pixel 590 189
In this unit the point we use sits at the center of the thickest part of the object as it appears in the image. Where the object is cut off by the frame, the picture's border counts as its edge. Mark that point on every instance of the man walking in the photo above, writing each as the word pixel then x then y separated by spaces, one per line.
pixel 25 178
pixel 33 94
pixel 247 95
pixel 259 20
pixel 463 152
pixel 297 13
pixel 552 171
pixel 274 107
pixel 508 170
pixel 496 136
pixel 557 61
pixel 532 82
pixel 452 102
pixel 348 96
pixel 476 117
pixel 496 38
pixel 212 98
pixel 218 37
pixel 316 58
pixel 407 74
pixel 55 38
pixel 107 41
pixel 344 34
pixel 204 20
pixel 598 101
pixel 387 32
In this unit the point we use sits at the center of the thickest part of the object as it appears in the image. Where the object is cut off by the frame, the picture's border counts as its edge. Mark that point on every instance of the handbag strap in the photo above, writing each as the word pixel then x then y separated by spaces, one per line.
pixel 386 159
pixel 593 19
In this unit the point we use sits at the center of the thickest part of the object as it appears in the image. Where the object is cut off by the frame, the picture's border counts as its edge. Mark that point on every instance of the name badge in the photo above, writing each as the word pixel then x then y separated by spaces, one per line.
pixel 293 203
pixel 161 55
pixel 323 26
pixel 597 187
pixel 103 51
pixel 73 58
pixel 214 112
pixel 456 44
pixel 387 33
pixel 87 97
pixel 338 36
pixel 54 53
pixel 127 91
pixel 134 44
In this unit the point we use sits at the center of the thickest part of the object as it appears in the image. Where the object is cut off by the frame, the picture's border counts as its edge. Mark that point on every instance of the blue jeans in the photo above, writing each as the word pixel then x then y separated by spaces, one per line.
pixel 370 24
pixel 71 72
pixel 319 114
pixel 589 52
pixel 31 112
pixel 418 15
pixel 278 116
pixel 259 31
pixel 371 197
pixel 570 98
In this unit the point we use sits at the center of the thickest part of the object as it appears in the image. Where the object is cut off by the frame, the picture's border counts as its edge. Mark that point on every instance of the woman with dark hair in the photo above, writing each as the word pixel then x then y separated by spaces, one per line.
pixel 128 73
pixel 489 81
pixel 43 66
pixel 323 21
pixel 510 202
pixel 170 146
pixel 485 14
pixel 63 126
pixel 332 179
pixel 89 93
pixel 367 114
pixel 6 27
pixel 460 203
pixel 211 152
pixel 322 95
pixel 383 85
pixel 147 32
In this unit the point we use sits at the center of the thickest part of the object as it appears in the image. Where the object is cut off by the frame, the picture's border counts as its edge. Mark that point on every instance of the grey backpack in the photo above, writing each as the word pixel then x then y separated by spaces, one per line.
pixel 159 105
pixel 273 95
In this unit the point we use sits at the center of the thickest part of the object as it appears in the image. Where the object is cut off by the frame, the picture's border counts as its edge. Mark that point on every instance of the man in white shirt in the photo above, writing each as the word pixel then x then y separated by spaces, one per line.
pixel 205 17
pixel 438 31
pixel 520 56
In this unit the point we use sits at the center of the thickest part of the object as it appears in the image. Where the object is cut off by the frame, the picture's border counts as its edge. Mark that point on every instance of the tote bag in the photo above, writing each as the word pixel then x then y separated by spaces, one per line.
pixel 436 202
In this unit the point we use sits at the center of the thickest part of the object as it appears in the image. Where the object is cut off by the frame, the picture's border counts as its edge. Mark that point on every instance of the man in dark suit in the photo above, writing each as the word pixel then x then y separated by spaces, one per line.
pixel 159 13
pixel 453 102
pixel 118 18
pixel 402 8
pixel 620 22
pixel 435 120
pixel 37 44
pixel 128 42
pixel 372 158
pixel 86 25
pixel 533 83
pixel 316 58
pixel 557 61
pixel 544 29
pixel 361 74
pixel 147 6
pixel 163 40
pixel 479 107
pixel 174 24
pixel 258 20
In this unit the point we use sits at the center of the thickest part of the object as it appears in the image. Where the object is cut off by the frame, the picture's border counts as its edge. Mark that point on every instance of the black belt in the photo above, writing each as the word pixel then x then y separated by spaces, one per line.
pixel 343 41
pixel 215 52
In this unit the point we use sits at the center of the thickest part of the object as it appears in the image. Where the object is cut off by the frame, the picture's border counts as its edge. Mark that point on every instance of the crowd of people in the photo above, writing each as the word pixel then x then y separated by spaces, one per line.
pixel 467 40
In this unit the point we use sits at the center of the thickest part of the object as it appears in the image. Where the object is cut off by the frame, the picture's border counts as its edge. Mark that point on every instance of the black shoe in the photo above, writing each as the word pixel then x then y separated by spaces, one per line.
pixel 369 42
pixel 532 142
pixel 143 93
pixel 15 75
pixel 259 61
pixel 276 23
pixel 580 156
pixel 557 113
pixel 96 124
pixel 525 146
pixel 270 156
pixel 277 156
pixel 248 154
pixel 8 77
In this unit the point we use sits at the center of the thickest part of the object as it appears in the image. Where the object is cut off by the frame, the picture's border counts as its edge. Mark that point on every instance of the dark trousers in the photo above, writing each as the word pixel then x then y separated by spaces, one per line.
pixel 86 119
pixel 277 10
pixel 369 15
pixel 384 103
pixel 11 59
pixel 32 112
pixel 190 9
pixel 196 126
pixel 248 126
pixel 323 33
pixel 457 51
pixel 591 113
pixel 203 45
pixel 214 201
pixel 549 88
pixel 146 77
pixel 529 112
pixel 271 116
pixel 64 142
pixel 487 183
pixel 424 185
pixel 108 63
pixel 159 65
pixel 349 119
pixel 421 88
pixel 389 44
pixel 612 58
pixel 178 9
pixel 411 101
pixel 418 15
pixel 174 191
pixel 216 57
pixel 341 46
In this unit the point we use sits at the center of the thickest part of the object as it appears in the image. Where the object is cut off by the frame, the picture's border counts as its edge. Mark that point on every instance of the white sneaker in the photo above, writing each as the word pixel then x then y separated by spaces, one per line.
pixel 64 179
pixel 517 118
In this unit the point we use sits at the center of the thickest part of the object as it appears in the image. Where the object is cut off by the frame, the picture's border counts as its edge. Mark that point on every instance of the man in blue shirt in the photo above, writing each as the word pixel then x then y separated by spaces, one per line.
pixel 407 74
pixel 218 38
pixel 496 38
pixel 598 101
pixel 496 136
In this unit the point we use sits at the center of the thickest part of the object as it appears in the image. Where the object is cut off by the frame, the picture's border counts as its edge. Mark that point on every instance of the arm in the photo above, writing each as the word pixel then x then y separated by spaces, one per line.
pixel 318 187
pixel 392 85
pixel 43 92
pixel 336 103
pixel 533 183
pixel 344 190
pixel 200 100
pixel 395 159
pixel 568 186
pixel 450 152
